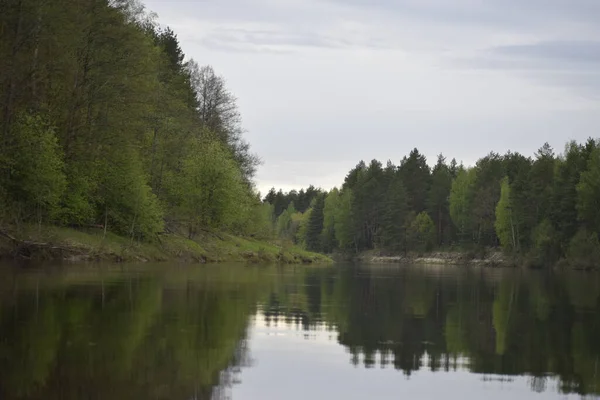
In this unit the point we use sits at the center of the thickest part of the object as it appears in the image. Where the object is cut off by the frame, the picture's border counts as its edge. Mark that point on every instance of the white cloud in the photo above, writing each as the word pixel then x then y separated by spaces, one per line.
pixel 323 84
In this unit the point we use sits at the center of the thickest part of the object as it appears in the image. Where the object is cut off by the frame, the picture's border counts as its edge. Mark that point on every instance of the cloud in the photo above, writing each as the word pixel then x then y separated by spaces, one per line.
pixel 324 83
pixel 575 53
pixel 491 13
pixel 237 39
pixel 572 64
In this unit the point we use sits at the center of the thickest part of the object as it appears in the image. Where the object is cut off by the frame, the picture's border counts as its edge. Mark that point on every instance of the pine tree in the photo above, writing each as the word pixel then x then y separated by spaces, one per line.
pixel 328 238
pixel 393 226
pixel 416 176
pixel 505 226
pixel 315 224
pixel 438 200
pixel 588 193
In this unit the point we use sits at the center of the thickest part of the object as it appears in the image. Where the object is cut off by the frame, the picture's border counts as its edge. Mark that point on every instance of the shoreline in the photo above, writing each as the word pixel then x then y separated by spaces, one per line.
pixel 72 245
pixel 494 258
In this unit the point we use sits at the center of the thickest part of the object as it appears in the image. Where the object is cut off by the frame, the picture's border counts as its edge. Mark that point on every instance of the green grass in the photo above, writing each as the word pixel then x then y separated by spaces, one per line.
pixel 92 244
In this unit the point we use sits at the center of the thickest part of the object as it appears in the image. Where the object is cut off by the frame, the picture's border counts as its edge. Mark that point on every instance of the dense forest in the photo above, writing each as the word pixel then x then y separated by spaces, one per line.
pixel 539 209
pixel 104 123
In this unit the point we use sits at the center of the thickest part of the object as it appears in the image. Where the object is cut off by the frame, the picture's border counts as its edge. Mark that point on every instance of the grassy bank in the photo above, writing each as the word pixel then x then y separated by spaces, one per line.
pixel 68 244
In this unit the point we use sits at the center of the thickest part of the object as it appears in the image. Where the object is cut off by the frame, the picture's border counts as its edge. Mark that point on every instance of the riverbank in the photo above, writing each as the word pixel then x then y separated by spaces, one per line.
pixel 493 258
pixel 80 245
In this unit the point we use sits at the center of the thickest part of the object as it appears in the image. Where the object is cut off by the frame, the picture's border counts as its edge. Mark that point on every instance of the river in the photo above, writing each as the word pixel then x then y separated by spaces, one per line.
pixel 290 332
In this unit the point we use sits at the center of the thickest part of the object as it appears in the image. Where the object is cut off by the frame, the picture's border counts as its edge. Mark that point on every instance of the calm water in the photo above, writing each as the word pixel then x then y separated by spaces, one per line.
pixel 266 333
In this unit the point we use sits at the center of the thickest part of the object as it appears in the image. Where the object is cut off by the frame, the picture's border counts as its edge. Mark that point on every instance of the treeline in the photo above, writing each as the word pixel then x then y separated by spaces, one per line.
pixel 540 209
pixel 103 123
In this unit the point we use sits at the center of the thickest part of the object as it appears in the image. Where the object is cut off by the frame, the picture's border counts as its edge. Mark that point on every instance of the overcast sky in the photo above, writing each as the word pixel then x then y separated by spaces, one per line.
pixel 322 84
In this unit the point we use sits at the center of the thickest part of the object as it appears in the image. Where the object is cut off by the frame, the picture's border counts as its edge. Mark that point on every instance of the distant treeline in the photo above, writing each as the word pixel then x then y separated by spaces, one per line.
pixel 541 209
pixel 103 123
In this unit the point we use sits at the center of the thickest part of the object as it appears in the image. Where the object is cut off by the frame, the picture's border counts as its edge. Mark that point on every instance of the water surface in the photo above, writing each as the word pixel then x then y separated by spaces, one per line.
pixel 270 332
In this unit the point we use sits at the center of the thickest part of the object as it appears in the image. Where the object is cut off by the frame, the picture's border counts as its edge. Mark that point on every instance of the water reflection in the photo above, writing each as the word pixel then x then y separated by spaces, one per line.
pixel 123 335
pixel 497 323
pixel 202 332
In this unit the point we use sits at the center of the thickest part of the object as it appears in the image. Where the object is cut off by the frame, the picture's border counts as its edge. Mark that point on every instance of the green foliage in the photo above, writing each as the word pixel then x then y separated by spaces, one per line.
pixel 299 227
pixel 328 239
pixel 103 123
pixel 528 206
pixel 545 247
pixel 32 178
pixel 344 221
pixel 210 188
pixel 421 236
pixel 584 250
pixel 588 193
pixel 563 208
pixel 415 174
pixel 128 203
pixel 315 225
pixel 462 197
pixel 438 201
pixel 505 228
pixel 285 228
pixel 394 221
pixel 260 222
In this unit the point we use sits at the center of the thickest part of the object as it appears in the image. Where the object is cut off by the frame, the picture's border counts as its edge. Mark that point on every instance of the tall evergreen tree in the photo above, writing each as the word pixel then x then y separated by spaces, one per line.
pixel 415 174
pixel 394 218
pixel 438 200
pixel 505 226
pixel 314 225
pixel 588 193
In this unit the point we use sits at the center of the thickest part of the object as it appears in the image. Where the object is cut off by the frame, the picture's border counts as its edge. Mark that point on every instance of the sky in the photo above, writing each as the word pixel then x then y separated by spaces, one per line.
pixel 323 84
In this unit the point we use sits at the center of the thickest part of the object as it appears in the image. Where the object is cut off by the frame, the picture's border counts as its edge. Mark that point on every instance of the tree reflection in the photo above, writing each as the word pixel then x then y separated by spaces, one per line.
pixel 499 323
pixel 158 337
pixel 181 333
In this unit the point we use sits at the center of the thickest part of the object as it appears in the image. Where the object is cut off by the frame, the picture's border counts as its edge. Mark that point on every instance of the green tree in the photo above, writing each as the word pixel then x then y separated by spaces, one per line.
pixel 584 250
pixel 416 176
pixel 33 171
pixel 505 227
pixel 421 233
pixel 438 200
pixel 315 224
pixel 461 203
pixel 588 193
pixel 344 221
pixel 210 188
pixel 563 208
pixel 490 171
pixel 394 220
pixel 328 237
pixel 545 248
pixel 284 223
pixel 541 178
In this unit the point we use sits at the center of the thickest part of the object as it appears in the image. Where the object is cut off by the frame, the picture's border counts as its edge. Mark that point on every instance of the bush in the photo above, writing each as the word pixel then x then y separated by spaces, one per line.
pixel 545 248
pixel 584 250
pixel 33 170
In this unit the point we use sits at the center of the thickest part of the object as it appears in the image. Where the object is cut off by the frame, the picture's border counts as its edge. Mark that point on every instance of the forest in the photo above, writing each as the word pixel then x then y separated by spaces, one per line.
pixel 539 210
pixel 104 123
